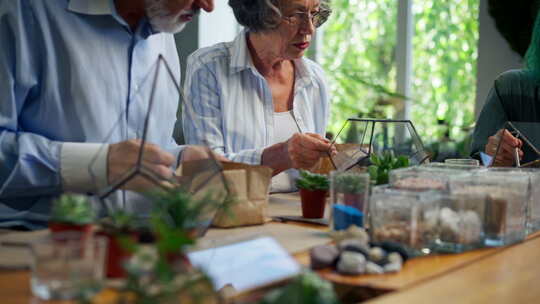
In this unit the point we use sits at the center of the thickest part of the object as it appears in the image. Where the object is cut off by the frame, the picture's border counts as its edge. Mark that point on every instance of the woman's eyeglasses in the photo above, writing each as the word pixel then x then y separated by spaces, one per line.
pixel 317 18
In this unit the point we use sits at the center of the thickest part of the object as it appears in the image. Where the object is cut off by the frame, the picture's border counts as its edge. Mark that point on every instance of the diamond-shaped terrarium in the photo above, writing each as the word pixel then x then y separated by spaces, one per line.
pixel 359 138
pixel 200 174
pixel 529 134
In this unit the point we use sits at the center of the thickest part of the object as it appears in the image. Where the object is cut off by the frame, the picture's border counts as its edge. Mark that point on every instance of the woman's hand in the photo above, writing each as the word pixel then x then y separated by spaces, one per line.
pixel 505 156
pixel 304 150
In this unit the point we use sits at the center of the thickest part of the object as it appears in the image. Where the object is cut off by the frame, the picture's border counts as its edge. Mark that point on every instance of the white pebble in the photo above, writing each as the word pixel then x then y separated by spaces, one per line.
pixel 395 258
pixel 372 268
pixel 392 267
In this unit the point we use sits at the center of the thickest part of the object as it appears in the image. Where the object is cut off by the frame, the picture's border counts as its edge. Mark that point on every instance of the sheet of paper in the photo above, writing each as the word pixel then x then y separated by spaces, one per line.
pixel 246 265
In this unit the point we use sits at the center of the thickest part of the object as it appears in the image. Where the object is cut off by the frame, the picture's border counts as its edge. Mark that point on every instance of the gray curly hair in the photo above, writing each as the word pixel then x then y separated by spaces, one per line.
pixel 262 15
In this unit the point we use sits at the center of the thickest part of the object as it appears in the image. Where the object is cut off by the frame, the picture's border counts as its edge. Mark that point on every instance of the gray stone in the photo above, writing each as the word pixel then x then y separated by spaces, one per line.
pixel 372 268
pixel 377 254
pixel 354 245
pixel 392 267
pixel 351 263
pixel 323 256
pixel 395 258
pixel 355 232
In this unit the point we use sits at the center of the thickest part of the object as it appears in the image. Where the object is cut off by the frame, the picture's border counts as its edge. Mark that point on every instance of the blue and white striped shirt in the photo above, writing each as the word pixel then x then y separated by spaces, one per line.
pixel 229 103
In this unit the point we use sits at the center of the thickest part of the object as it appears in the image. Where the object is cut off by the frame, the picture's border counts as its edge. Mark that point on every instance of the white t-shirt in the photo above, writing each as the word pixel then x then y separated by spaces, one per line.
pixel 284 127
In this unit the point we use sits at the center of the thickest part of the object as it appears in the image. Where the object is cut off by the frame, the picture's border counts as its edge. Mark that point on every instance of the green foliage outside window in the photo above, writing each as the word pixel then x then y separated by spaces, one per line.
pixel 358 54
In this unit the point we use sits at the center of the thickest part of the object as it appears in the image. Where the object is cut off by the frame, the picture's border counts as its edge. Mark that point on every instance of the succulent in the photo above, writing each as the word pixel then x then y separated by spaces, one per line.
pixel 350 183
pixel 119 221
pixel 306 288
pixel 73 209
pixel 384 163
pixel 312 181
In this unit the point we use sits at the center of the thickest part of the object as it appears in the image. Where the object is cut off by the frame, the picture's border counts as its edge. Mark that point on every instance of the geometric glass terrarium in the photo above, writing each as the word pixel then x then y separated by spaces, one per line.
pixel 359 138
pixel 529 134
pixel 201 175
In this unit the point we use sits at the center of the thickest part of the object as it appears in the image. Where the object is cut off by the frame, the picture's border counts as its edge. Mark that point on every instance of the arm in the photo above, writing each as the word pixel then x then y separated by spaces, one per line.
pixel 489 124
pixel 201 114
pixel 26 159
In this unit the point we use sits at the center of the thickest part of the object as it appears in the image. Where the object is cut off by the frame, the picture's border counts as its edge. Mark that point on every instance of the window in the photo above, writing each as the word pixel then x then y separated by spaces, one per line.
pixel 358 53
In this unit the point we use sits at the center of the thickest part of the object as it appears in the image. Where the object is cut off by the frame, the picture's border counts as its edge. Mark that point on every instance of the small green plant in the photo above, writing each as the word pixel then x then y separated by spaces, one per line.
pixel 350 183
pixel 178 209
pixel 312 181
pixel 307 288
pixel 382 164
pixel 73 209
pixel 119 221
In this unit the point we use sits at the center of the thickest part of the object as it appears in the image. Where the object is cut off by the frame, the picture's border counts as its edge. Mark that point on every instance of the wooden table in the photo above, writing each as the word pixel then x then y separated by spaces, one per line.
pixel 511 275
pixel 496 275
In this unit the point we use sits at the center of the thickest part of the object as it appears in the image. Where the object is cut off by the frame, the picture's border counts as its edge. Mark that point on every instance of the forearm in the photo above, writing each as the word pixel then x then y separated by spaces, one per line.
pixel 29 165
pixel 276 157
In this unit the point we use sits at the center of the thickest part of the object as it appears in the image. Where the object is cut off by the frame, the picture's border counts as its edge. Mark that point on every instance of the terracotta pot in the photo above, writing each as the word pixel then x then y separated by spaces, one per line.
pixel 56 227
pixel 313 203
pixel 116 254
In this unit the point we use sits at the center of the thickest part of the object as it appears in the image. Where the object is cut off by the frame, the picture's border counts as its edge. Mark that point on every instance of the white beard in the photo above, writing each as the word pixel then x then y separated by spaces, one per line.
pixel 162 20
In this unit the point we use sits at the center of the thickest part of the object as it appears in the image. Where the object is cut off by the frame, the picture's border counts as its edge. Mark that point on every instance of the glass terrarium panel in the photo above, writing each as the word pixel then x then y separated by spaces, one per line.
pixel 507 198
pixel 460 223
pixel 359 138
pixel 422 178
pixel 349 199
pixel 452 166
pixel 410 220
pixel 533 203
pixel 458 220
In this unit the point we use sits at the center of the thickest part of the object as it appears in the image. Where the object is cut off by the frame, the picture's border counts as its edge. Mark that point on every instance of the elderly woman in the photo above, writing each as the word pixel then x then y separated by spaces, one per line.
pixel 514 97
pixel 256 100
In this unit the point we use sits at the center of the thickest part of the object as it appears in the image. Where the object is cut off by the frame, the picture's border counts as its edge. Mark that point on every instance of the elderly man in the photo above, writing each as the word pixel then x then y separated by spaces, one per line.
pixel 69 70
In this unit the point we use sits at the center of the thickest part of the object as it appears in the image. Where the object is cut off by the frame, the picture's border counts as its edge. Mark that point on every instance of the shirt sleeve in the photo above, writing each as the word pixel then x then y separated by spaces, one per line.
pixel 202 117
pixel 84 167
pixel 27 160
pixel 492 118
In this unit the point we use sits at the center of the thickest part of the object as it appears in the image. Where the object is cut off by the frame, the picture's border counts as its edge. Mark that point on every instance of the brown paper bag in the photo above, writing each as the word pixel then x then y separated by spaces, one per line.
pixel 247 185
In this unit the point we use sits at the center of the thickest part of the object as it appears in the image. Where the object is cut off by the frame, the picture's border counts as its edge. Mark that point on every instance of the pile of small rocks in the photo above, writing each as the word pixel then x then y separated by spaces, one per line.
pixel 354 254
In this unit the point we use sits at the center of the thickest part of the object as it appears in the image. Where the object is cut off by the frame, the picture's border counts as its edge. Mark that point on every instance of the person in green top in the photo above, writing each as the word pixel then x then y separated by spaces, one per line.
pixel 514 97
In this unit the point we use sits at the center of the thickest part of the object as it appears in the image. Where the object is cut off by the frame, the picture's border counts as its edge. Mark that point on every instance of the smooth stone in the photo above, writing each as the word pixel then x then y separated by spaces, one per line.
pixel 377 254
pixel 345 216
pixel 395 258
pixel 472 227
pixel 354 245
pixel 372 268
pixel 351 263
pixel 355 232
pixel 338 236
pixel 392 247
pixel 323 256
pixel 392 267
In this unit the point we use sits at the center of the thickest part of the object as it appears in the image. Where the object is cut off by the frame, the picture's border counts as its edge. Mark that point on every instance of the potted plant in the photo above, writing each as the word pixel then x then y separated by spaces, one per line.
pixel 308 287
pixel 118 227
pixel 72 212
pixel 354 188
pixel 382 164
pixel 313 191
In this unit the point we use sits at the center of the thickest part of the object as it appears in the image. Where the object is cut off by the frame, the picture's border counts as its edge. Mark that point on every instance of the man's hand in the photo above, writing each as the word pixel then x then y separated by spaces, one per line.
pixel 123 156
pixel 505 156
pixel 305 150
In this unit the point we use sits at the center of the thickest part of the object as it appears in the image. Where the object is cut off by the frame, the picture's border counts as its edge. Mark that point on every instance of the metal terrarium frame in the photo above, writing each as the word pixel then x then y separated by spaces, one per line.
pixel 139 169
pixel 369 128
